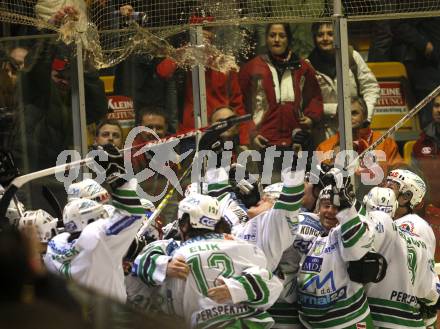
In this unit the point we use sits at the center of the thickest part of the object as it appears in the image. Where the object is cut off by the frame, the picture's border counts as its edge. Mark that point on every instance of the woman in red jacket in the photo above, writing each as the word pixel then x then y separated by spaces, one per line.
pixel 281 91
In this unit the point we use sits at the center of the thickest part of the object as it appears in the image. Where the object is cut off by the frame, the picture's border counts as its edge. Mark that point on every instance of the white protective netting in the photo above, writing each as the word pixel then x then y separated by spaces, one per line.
pixel 110 31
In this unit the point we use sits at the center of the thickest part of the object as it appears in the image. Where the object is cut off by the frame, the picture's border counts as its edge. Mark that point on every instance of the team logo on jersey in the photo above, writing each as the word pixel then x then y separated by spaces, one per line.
pixel 361 325
pixel 408 227
pixel 379 228
pixel 312 264
pixel 437 286
pixel 207 221
pixel 412 262
pixel 318 248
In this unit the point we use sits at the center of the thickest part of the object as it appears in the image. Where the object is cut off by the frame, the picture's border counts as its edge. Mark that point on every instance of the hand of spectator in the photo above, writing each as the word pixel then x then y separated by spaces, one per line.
pixel 305 122
pixel 177 268
pixel 429 49
pixel 126 10
pixel 220 294
pixel 64 13
pixel 260 142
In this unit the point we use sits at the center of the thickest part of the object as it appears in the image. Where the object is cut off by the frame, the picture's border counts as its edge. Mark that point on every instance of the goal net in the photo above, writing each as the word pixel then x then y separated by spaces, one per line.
pixel 110 32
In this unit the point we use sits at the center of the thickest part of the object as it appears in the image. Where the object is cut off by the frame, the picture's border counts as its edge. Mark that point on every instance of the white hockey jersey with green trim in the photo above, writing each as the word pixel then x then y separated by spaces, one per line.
pixel 95 258
pixel 410 276
pixel 242 266
pixel 327 297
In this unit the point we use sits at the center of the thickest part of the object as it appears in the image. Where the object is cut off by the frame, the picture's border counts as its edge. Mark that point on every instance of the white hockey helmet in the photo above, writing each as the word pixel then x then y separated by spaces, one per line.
pixel 273 190
pixel 409 182
pixel 381 199
pixel 324 194
pixel 88 189
pixel 45 224
pixel 203 211
pixel 80 212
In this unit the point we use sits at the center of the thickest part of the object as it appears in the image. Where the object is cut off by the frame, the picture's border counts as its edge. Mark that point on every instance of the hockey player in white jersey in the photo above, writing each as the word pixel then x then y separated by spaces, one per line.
pixel 91 250
pixel 327 296
pixel 410 190
pixel 228 284
pixel 410 276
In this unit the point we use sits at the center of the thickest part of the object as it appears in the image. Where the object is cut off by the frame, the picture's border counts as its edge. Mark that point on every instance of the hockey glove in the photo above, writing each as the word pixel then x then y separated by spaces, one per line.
pixel 370 268
pixel 302 138
pixel 114 166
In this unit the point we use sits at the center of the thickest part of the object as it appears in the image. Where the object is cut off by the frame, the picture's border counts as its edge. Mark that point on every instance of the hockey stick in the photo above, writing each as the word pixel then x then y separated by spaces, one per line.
pixel 398 124
pixel 19 181
pixel 53 202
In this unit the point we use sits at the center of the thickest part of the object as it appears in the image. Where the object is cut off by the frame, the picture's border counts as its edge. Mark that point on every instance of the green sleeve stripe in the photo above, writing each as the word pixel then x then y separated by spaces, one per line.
pixel 152 268
pixel 247 287
pixel 264 289
pixel 355 238
pixel 350 224
pixel 125 193
pixel 391 304
pixel 217 186
pixel 131 209
pixel 293 189
pixel 287 206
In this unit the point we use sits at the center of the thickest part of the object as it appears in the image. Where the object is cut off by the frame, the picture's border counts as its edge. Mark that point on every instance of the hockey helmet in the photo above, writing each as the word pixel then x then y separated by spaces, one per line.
pixel 89 189
pixel 273 190
pixel 203 211
pixel 381 199
pixel 409 182
pixel 45 224
pixel 80 212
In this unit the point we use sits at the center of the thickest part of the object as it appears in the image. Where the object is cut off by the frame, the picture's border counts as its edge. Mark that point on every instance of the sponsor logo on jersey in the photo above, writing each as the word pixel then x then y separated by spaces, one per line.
pixel 437 286
pixel 426 150
pixel 327 284
pixel 403 297
pixel 331 247
pixel 213 312
pixel 361 325
pixel 312 264
pixel 324 300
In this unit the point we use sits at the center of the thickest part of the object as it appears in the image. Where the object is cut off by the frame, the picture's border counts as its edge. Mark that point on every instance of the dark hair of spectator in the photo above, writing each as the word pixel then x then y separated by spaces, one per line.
pixel 286 29
pixel 152 110
pixel 362 103
pixel 316 26
pixel 107 122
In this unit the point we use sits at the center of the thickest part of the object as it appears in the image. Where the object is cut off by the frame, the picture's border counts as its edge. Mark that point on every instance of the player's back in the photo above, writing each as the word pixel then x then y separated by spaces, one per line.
pixel 211 257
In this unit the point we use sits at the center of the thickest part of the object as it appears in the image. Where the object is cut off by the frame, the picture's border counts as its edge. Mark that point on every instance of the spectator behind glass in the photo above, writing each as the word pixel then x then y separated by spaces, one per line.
pixel 109 131
pixel 362 81
pixel 426 152
pixel 415 43
pixel 221 89
pixel 281 91
pixel 362 139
